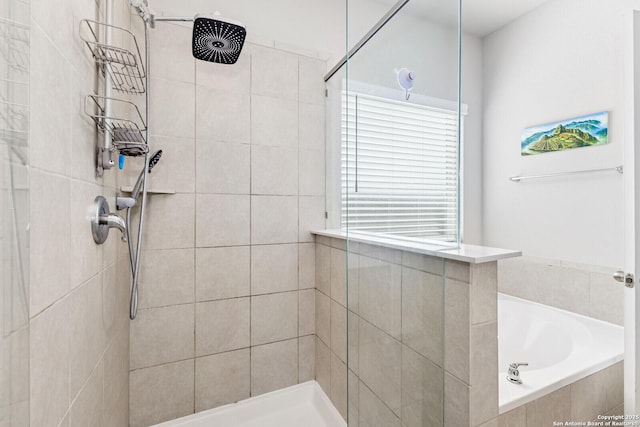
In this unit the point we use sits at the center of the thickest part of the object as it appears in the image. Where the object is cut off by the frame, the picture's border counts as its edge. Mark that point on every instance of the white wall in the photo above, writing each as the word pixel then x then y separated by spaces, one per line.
pixel 563 60
pixel 472 92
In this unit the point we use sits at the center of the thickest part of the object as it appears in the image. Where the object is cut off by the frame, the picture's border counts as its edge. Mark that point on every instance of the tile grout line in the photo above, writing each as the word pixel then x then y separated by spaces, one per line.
pixel 208 355
pixel 250 220
pixel 195 218
pixel 298 219
pixel 330 301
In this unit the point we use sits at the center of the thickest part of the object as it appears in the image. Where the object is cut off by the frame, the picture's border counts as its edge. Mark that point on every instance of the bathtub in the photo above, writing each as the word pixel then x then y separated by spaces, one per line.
pixel 561 347
pixel 299 405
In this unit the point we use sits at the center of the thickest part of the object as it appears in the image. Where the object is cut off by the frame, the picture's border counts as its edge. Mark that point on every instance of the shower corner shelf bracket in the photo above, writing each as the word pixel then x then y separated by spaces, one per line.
pixel 124 189
pixel 123 65
pixel 128 135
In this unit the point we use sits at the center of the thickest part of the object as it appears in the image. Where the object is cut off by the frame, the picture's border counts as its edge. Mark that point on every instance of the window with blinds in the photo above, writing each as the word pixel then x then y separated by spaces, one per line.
pixel 399 168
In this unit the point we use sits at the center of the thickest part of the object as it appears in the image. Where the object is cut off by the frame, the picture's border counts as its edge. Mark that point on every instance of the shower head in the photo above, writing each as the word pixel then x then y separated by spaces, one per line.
pixel 153 160
pixel 217 40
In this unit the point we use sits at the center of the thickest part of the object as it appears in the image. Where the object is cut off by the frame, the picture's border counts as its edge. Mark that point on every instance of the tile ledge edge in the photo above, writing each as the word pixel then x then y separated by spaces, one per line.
pixel 472 254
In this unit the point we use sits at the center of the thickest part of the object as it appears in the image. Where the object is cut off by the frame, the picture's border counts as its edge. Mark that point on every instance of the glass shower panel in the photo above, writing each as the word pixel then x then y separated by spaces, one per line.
pixel 395 338
pixel 399 136
pixel 393 155
pixel 14 213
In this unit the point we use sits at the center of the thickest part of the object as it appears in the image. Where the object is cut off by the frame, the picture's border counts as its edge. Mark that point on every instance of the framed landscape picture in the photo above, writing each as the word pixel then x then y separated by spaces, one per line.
pixel 585 131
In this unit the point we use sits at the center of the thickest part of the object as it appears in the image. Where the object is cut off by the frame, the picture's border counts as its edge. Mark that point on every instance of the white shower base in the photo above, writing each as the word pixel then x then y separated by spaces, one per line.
pixel 300 405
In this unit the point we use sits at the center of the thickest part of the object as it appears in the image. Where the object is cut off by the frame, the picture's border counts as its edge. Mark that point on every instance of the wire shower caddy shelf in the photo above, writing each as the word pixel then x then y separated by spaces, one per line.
pixel 14 51
pixel 125 66
pixel 128 135
pixel 14 93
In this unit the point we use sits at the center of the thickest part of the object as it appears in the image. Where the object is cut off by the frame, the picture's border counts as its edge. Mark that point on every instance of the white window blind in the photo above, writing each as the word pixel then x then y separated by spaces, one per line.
pixel 399 168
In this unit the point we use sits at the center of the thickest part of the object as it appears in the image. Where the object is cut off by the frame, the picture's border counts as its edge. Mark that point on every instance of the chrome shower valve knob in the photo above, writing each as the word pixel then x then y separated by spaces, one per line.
pixel 102 220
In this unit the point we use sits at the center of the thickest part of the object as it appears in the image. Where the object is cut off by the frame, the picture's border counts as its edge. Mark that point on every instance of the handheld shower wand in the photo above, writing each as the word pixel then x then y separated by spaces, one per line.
pixel 153 160
pixel 129 202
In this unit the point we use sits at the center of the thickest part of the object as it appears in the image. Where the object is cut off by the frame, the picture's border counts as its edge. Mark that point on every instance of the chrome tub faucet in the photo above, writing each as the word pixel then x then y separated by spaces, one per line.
pixel 513 375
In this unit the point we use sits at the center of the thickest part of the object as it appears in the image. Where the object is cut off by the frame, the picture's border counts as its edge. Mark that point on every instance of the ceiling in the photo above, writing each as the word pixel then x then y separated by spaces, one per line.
pixel 483 17
pixel 479 17
pixel 319 24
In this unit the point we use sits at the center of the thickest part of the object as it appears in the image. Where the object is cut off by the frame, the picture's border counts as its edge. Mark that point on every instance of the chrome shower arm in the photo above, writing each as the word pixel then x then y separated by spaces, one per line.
pixel 153 19
pixel 173 18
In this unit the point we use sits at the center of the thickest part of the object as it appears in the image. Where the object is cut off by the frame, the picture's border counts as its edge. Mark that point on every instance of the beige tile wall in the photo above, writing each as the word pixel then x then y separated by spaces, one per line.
pixel 585 289
pixel 598 394
pixel 14 202
pixel 422 336
pixel 226 294
pixel 78 298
